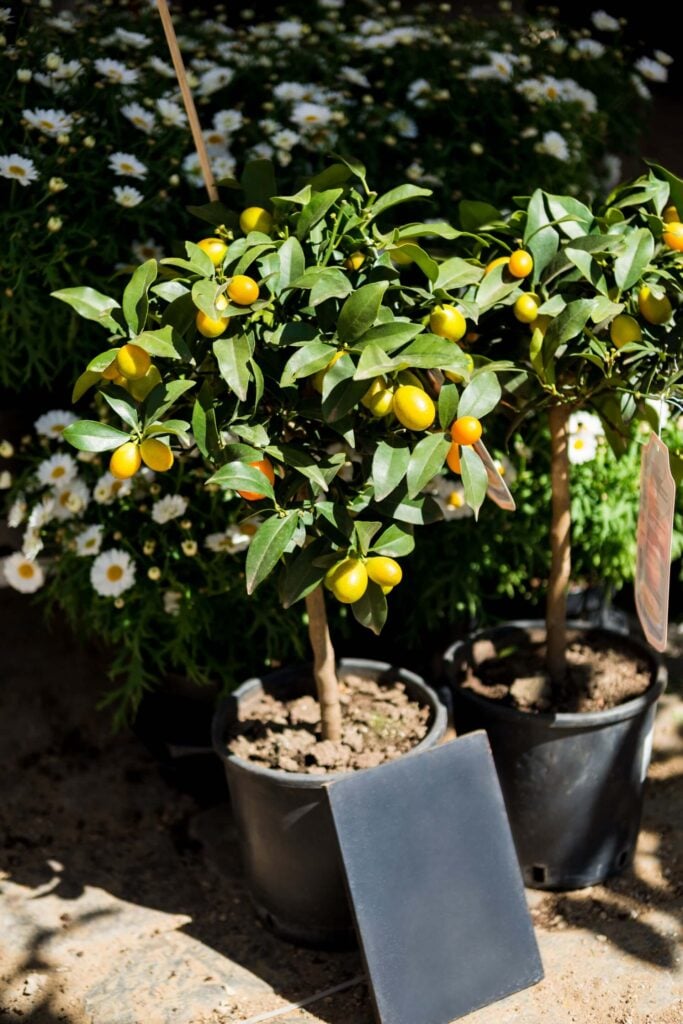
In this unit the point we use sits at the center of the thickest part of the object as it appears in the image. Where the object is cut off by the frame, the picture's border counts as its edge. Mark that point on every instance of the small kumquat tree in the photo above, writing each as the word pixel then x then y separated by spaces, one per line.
pixel 309 349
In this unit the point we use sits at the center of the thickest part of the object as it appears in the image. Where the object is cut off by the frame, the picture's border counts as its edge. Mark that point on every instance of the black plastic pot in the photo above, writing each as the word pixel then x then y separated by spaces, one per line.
pixel 573 783
pixel 289 847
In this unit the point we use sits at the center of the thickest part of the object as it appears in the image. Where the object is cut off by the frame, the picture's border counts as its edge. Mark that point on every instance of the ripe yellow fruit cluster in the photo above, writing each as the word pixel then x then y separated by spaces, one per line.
pixel 348 579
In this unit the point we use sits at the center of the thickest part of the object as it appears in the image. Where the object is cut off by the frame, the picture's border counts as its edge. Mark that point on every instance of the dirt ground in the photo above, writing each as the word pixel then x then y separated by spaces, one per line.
pixel 121 900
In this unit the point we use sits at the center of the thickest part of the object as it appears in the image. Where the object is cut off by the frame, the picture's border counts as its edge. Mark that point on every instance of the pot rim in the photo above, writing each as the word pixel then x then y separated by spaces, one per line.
pixel 301 779
pixel 565 719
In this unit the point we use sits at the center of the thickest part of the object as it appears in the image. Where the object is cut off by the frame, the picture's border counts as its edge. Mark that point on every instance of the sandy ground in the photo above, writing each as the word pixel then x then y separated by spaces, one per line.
pixel 121 900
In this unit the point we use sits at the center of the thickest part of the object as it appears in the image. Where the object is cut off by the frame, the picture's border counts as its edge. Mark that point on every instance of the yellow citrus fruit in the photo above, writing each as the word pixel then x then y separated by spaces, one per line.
pixel 624 329
pixel 655 311
pixel 132 362
pixel 243 290
pixel 448 322
pixel 125 461
pixel 140 388
pixel 458 378
pixel 215 249
pixel 673 236
pixel 349 580
pixel 267 469
pixel 402 259
pixel 408 377
pixel 498 262
pixel 156 455
pixel 355 261
pixel 453 458
pixel 670 215
pixel 413 407
pixel 209 326
pixel 382 403
pixel 521 263
pixel 378 384
pixel 466 430
pixel 319 377
pixel 526 308
pixel 255 218
pixel 384 570
pixel 112 371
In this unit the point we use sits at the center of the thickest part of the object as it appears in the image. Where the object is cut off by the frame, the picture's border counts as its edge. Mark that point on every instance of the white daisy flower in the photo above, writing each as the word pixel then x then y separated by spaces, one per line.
pixel 115 72
pixel 310 116
pixel 161 67
pixel 5 480
pixel 139 116
pixel 71 499
pixel 147 250
pixel 127 196
pixel 173 506
pixel 42 513
pixel 53 424
pixel 651 69
pixel 67 71
pixel 553 144
pixel 64 22
pixel 112 573
pixel 6 17
pixel 18 168
pixel 582 447
pixel 17 512
pixel 589 48
pixel 125 164
pixel 354 77
pixel 290 92
pixel 22 574
pixel 228 121
pixel 331 5
pixel 286 139
pixel 604 22
pixel 223 165
pixel 192 170
pixel 418 91
pixel 213 80
pixel 89 541
pixel 135 39
pixel 585 423
pixel 59 469
pixel 24 74
pixel 641 88
pixel 171 113
pixel 233 539
pixel 172 599
pixel 450 498
pixel 215 139
pixel 612 171
pixel 108 489
pixel 288 30
pixel 262 151
pixel 403 125
pixel 663 58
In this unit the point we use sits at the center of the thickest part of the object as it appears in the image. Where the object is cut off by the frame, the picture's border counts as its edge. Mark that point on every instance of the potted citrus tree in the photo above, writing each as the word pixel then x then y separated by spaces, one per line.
pixel 308 350
pixel 585 302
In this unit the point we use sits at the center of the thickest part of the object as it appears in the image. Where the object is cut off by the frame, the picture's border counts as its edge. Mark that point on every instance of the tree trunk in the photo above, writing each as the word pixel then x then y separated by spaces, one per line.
pixel 560 565
pixel 324 666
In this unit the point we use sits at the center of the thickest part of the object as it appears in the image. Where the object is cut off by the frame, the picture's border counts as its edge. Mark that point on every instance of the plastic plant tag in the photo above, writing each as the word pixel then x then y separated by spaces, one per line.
pixel 655 531
pixel 498 490
pixel 434 883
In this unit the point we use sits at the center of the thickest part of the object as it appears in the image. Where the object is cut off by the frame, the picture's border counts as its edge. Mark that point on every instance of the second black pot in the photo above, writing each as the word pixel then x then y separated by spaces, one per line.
pixel 289 847
pixel 572 783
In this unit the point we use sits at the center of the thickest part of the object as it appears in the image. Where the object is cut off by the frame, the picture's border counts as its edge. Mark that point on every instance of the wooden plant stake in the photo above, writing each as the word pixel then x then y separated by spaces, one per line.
pixel 190 109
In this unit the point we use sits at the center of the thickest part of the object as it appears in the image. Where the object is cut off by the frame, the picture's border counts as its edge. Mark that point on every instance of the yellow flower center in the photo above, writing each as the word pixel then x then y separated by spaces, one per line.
pixel 114 573
pixel 17 171
pixel 455 500
pixel 26 571
pixel 64 498
pixel 57 472
pixel 551 92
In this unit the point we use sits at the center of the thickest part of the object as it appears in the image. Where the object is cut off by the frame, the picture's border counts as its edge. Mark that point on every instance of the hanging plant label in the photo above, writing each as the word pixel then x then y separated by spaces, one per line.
pixel 498 491
pixel 655 532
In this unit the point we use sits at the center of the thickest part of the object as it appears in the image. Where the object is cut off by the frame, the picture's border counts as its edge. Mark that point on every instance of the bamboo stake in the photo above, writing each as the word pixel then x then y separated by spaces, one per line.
pixel 191 110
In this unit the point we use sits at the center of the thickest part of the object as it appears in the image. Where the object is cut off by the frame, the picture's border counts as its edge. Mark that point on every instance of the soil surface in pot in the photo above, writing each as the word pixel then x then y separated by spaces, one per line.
pixel 603 671
pixel 380 722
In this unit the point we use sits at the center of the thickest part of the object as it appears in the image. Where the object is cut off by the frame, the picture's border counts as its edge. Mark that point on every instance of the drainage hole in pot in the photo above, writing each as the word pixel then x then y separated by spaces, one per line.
pixel 622 858
pixel 538 873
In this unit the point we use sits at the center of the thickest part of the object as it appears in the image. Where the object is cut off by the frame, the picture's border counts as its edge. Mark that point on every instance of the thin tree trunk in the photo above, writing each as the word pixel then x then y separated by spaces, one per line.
pixel 324 666
pixel 560 565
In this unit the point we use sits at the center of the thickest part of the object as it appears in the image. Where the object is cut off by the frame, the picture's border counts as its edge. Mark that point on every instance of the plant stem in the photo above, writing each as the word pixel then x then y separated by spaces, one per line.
pixel 324 666
pixel 560 564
